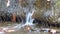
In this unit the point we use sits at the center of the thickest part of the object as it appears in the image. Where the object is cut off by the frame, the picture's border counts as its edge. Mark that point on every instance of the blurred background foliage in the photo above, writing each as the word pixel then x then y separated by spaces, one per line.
pixel 44 10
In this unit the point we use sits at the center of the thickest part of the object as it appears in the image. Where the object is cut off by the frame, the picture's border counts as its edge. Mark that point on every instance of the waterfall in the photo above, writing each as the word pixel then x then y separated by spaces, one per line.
pixel 8 3
pixel 29 19
pixel 29 12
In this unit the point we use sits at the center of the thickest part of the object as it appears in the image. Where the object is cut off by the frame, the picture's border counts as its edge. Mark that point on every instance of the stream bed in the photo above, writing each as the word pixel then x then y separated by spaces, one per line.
pixel 14 28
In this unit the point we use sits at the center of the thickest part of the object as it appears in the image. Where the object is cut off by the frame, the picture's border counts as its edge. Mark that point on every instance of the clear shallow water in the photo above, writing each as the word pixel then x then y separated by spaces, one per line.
pixel 20 29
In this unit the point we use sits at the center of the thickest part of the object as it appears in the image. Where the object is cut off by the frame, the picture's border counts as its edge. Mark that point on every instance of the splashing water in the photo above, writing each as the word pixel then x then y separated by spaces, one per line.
pixel 29 20
pixel 53 31
pixel 8 3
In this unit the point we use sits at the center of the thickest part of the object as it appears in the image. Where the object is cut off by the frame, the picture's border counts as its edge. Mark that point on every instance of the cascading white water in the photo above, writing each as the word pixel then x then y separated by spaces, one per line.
pixel 8 3
pixel 29 19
